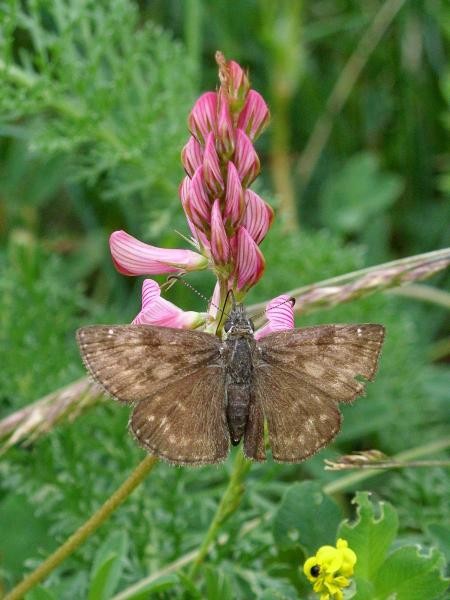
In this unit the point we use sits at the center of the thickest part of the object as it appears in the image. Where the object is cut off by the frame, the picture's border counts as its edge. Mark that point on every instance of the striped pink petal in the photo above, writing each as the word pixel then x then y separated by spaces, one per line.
pixel 158 311
pixel 211 168
pixel 133 257
pixel 196 233
pixel 255 115
pixel 192 156
pixel 225 128
pixel 203 117
pixel 234 197
pixel 258 216
pixel 280 316
pixel 249 260
pixel 199 206
pixel 245 158
pixel 220 247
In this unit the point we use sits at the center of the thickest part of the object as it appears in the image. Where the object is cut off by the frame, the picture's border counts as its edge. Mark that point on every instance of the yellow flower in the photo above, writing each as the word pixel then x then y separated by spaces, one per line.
pixel 330 569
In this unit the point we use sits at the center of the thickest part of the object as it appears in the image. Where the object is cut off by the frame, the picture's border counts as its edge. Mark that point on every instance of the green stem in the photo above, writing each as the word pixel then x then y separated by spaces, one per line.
pixel 87 529
pixel 228 504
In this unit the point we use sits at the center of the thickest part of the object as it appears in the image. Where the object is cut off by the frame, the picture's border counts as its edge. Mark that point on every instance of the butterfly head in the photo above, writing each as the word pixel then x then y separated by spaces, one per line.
pixel 238 323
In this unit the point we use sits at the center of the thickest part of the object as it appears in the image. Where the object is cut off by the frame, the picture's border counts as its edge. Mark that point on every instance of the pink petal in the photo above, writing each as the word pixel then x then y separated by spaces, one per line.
pixel 215 300
pixel 211 168
pixel 280 315
pixel 133 257
pixel 225 128
pixel 245 158
pixel 255 115
pixel 220 248
pixel 203 117
pixel 249 260
pixel 184 196
pixel 234 197
pixel 192 156
pixel 258 216
pixel 161 312
pixel 199 204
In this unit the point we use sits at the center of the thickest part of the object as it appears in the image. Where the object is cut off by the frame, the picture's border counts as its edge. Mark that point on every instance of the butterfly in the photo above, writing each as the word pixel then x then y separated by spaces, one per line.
pixel 194 394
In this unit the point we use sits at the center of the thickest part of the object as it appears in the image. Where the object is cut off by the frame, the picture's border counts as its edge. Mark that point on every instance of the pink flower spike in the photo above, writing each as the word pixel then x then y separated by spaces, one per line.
pixel 258 216
pixel 161 312
pixel 245 158
pixel 199 206
pixel 249 260
pixel 192 156
pixel 234 197
pixel 280 315
pixel 225 128
pixel 133 257
pixel 220 248
pixel 203 117
pixel 255 115
pixel 211 168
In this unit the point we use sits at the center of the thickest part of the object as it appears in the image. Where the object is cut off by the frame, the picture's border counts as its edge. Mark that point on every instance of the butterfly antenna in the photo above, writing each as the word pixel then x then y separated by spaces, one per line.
pixel 261 314
pixel 171 280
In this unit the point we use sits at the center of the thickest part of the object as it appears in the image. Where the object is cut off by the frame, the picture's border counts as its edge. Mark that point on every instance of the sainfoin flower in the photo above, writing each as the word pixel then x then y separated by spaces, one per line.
pixel 227 220
pixel 330 569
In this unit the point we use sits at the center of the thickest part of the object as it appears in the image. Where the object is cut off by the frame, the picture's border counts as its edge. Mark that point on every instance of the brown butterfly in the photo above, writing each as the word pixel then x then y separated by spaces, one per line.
pixel 193 394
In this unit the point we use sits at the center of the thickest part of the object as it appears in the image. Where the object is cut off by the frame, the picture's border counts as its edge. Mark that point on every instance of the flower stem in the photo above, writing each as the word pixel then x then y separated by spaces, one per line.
pixel 228 504
pixel 87 529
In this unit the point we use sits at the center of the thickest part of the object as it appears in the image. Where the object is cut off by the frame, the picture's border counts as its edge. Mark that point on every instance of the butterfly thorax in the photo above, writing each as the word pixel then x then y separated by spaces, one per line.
pixel 238 350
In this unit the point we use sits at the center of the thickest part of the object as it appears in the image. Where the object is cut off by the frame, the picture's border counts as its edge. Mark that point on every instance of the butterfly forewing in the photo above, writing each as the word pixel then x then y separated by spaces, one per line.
pixel 301 375
pixel 132 362
pixel 185 423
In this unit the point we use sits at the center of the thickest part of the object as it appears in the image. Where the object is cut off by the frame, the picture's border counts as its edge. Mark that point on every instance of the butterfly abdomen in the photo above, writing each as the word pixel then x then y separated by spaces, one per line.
pixel 239 370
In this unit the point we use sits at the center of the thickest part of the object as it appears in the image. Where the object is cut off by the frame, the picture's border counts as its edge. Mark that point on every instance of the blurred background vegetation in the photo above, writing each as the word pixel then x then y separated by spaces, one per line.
pixel 94 97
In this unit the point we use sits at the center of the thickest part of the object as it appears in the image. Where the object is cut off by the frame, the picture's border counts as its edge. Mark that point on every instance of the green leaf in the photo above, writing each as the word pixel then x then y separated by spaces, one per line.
pixel 409 575
pixel 306 517
pixel 357 193
pixel 40 593
pixel 107 567
pixel 370 536
pixel 364 589
pixel 440 533
pixel 218 584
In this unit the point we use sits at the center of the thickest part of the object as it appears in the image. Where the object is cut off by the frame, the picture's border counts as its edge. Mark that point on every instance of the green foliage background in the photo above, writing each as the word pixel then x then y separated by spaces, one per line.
pixel 94 98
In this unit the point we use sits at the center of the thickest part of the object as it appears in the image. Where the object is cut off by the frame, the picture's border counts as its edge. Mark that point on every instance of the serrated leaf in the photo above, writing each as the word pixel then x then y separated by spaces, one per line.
pixel 370 536
pixel 306 517
pixel 409 575
pixel 107 567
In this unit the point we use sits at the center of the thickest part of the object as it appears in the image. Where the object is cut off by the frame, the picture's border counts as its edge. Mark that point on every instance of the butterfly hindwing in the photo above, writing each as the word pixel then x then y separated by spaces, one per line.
pixel 300 377
pixel 184 423
pixel 132 362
